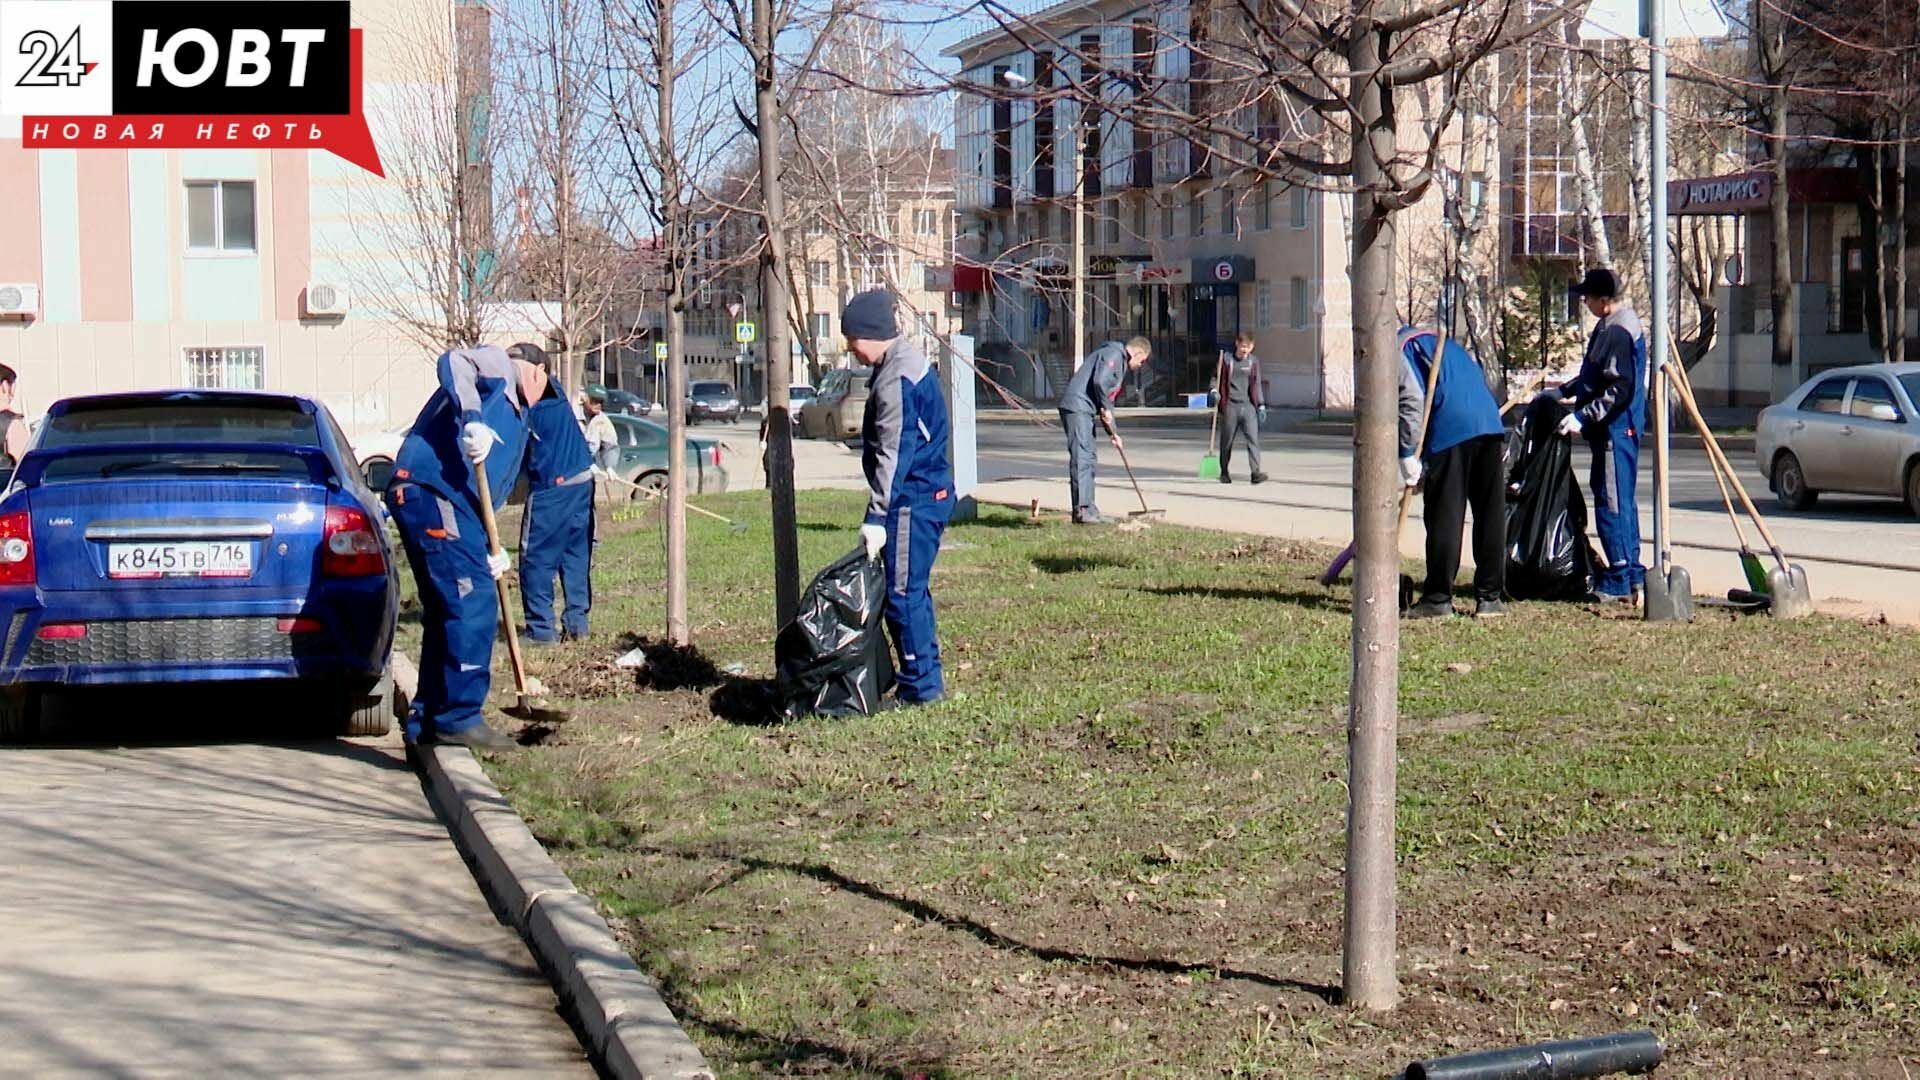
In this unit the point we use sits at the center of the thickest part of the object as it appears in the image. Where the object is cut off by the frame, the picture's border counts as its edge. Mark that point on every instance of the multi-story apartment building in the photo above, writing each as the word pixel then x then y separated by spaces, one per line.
pixel 1187 241
pixel 137 269
pixel 896 233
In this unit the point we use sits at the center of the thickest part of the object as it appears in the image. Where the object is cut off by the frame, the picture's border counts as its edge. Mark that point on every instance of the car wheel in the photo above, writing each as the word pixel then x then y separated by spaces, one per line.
pixel 367 715
pixel 19 714
pixel 1913 488
pixel 655 482
pixel 1790 483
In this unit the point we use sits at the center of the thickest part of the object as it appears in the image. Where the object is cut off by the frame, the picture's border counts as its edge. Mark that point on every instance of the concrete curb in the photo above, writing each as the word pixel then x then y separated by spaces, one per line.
pixel 630 1032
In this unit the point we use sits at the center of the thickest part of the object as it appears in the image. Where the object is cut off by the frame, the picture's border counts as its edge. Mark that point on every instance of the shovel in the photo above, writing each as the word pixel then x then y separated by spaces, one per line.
pixel 1210 461
pixel 524 687
pixel 732 525
pixel 1786 584
pixel 1145 512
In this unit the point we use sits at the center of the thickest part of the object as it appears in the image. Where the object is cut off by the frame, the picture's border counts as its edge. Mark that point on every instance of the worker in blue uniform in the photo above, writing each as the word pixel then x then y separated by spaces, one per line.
pixel 909 481
pixel 476 419
pixel 556 534
pixel 1606 402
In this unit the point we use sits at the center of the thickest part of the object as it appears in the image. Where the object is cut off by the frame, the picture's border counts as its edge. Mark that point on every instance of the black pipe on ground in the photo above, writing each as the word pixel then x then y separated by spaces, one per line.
pixel 1574 1059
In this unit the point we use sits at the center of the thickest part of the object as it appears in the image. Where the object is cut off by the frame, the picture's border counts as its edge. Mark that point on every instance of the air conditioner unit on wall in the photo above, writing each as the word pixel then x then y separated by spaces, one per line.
pixel 327 301
pixel 19 301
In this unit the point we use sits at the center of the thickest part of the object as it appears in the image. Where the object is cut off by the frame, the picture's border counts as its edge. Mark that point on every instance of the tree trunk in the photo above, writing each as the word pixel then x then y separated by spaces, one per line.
pixel 1367 968
pixel 1782 295
pixel 1898 331
pixel 674 394
pixel 773 299
pixel 1873 252
pixel 1592 209
pixel 1639 141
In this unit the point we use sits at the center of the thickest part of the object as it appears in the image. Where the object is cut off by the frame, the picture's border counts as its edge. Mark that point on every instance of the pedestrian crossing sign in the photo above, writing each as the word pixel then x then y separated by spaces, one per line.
pixel 659 350
pixel 744 332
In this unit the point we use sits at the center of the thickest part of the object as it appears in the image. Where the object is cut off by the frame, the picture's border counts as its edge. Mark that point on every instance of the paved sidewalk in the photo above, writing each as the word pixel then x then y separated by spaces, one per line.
pixel 247 910
pixel 1323 512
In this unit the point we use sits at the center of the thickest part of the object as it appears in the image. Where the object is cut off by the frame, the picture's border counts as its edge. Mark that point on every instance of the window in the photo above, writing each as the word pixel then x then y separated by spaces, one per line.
pixel 1229 213
pixel 1166 219
pixel 1828 397
pixel 926 222
pixel 1263 305
pixel 819 326
pixel 706 294
pixel 1300 196
pixel 1298 304
pixel 226 368
pixel 220 216
pixel 1873 400
pixel 1197 214
pixel 1111 215
pixel 1263 213
pixel 1139 219
pixel 1043 215
pixel 102 421
pixel 820 274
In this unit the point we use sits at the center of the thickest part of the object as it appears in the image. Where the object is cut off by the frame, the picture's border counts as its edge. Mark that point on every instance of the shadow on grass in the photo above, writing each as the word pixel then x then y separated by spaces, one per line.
pixel 1318 600
pixel 1000 521
pixel 824 526
pixel 1078 563
pixel 995 939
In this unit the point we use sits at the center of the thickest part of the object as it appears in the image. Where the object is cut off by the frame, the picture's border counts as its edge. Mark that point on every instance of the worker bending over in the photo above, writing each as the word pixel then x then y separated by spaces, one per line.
pixel 1090 394
pixel 1462 462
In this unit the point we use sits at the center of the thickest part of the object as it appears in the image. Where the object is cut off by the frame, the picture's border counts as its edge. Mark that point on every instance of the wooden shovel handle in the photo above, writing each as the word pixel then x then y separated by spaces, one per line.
pixel 500 586
pixel 1685 387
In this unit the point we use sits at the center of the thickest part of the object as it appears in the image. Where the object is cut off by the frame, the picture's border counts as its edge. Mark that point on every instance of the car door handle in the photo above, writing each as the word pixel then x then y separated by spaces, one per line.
pixel 1846 429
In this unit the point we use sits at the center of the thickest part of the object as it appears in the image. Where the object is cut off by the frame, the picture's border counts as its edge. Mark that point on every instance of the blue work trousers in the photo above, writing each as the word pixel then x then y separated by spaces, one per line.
pixel 557 539
pixel 460 613
pixel 1616 512
pixel 913 542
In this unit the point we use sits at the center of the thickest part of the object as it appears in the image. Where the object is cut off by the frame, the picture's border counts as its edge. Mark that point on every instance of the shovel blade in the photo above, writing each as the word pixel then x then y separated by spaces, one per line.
pixel 1756 573
pixel 1670 598
pixel 1210 467
pixel 1792 598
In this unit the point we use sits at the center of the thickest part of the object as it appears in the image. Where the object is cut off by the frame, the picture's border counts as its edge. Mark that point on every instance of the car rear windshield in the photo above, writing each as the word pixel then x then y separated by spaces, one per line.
pixel 198 464
pixel 711 389
pixel 1911 384
pixel 278 423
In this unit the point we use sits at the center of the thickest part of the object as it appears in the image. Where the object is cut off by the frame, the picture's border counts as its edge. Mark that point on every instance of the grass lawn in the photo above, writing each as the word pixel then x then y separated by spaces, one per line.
pixel 1116 850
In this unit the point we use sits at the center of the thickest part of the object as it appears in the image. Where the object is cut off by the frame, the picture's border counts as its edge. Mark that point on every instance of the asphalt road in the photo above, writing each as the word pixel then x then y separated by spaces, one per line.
pixel 240 908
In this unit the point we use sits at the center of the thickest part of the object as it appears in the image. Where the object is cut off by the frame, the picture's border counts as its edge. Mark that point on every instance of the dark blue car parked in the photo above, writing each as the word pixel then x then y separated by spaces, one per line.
pixel 195 536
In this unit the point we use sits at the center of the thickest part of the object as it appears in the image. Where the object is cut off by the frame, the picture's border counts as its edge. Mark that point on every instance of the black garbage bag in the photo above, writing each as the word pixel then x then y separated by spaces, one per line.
pixel 1548 554
pixel 832 659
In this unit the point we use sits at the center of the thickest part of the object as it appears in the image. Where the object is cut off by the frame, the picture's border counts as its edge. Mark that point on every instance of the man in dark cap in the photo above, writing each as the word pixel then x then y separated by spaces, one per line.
pixel 903 449
pixel 1605 403
pixel 556 537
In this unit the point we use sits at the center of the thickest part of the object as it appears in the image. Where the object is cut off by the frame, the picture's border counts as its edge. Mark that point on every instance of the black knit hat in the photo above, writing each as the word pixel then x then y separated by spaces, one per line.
pixel 1600 283
pixel 870 317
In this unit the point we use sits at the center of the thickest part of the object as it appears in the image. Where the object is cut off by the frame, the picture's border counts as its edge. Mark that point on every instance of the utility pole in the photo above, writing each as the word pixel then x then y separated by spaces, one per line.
pixel 773 302
pixel 1669 593
pixel 1079 337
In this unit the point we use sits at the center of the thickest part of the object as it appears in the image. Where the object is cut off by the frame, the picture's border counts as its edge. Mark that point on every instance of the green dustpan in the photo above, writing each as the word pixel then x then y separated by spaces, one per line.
pixel 1210 467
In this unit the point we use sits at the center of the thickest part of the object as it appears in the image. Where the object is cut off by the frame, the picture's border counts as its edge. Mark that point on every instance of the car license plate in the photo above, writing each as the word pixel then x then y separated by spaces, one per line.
pixel 207 559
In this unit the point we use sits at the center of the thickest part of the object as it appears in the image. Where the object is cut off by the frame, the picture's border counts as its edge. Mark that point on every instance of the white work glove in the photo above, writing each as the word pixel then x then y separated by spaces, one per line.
pixel 498 564
pixel 477 440
pixel 1570 425
pixel 1263 414
pixel 1410 472
pixel 875 538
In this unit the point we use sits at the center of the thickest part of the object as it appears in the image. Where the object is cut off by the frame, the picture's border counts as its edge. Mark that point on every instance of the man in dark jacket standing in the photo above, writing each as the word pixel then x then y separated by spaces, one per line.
pixel 903 450
pixel 1462 465
pixel 1605 403
pixel 1090 394
pixel 557 529
pixel 1243 407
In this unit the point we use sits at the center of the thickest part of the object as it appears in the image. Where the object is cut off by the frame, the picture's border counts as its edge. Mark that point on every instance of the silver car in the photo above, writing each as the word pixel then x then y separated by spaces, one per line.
pixel 1853 431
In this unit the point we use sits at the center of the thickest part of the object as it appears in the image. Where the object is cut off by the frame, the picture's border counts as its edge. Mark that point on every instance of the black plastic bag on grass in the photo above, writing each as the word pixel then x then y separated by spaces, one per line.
pixel 1548 554
pixel 832 659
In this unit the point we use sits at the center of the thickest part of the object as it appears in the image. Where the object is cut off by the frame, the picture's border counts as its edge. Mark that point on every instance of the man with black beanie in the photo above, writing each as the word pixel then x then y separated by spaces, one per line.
pixel 903 449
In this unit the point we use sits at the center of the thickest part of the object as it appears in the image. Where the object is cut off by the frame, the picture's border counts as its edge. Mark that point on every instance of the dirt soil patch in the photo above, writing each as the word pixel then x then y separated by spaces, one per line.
pixel 1116 849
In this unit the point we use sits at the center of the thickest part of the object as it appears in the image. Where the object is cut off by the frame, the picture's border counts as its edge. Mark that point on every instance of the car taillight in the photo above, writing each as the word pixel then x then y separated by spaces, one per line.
pixel 300 625
pixel 61 631
pixel 16 549
pixel 351 549
pixel 716 455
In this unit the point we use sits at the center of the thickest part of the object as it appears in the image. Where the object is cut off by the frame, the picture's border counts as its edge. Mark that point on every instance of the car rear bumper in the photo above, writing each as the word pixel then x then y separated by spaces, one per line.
pixel 344 636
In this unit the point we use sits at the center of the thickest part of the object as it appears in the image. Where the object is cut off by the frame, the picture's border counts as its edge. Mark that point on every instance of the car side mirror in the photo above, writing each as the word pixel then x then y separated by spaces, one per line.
pixel 1883 411
pixel 378 474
